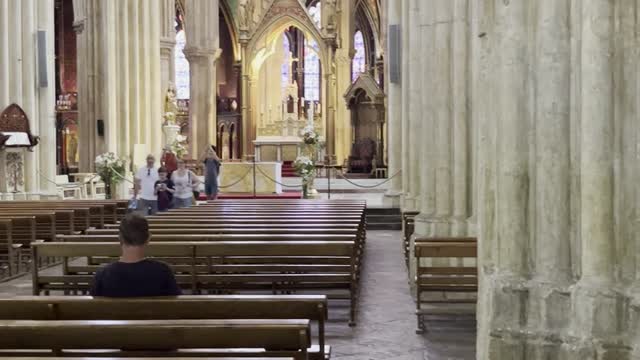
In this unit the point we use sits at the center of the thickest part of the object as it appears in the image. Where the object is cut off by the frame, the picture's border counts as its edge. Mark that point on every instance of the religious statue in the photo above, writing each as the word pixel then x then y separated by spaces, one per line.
pixel 245 13
pixel 170 105
pixel 330 9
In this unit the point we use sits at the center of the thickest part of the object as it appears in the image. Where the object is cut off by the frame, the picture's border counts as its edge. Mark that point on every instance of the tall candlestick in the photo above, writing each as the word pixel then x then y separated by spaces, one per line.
pixel 310 113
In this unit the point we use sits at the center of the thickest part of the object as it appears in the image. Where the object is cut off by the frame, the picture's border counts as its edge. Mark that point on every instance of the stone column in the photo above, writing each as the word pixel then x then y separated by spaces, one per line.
pixel 413 106
pixel 202 51
pixel 594 294
pixel 394 119
pixel 167 43
pixel 46 98
pixel 549 296
pixel 406 126
pixel 460 60
pixel 443 100
pixel 505 181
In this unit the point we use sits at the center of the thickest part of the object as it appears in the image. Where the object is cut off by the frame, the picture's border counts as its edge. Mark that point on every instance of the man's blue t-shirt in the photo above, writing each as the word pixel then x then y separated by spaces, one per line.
pixel 141 279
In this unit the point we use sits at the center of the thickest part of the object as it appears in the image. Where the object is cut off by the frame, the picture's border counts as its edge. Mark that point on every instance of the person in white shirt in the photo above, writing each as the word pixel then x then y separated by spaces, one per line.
pixel 185 182
pixel 145 181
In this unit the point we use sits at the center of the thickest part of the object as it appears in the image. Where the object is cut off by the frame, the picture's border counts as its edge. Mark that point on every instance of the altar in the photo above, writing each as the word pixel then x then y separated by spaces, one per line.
pixel 240 176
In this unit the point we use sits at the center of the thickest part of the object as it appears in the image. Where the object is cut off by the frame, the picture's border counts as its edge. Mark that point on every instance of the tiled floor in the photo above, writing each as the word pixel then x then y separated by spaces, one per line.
pixel 386 321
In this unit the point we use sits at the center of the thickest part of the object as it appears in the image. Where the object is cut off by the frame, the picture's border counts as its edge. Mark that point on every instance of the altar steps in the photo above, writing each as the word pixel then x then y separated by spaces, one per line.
pixel 288 170
pixel 383 219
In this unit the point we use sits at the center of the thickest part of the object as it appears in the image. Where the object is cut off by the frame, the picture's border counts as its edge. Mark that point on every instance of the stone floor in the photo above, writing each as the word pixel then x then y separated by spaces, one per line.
pixel 386 321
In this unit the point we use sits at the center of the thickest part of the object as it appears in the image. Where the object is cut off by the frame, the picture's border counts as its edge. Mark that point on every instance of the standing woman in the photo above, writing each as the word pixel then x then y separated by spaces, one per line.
pixel 211 163
pixel 185 182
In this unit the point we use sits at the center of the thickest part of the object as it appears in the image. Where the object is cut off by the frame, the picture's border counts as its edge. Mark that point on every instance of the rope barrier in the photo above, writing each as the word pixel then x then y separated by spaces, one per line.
pixel 121 176
pixel 277 182
pixel 368 186
pixel 235 182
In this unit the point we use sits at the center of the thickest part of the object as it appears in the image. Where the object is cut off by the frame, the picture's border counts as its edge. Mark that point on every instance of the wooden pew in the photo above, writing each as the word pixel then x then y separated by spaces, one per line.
pixel 230 266
pixel 408 227
pixel 15 233
pixel 50 221
pixel 309 307
pixel 156 337
pixel 38 224
pixel 84 215
pixel 142 358
pixel 444 279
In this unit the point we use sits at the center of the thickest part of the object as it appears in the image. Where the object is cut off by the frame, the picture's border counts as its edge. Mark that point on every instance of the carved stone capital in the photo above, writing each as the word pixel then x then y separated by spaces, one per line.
pixel 167 42
pixel 195 54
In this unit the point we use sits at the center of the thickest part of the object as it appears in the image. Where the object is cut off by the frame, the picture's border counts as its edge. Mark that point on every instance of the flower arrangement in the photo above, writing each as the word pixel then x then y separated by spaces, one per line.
pixel 179 146
pixel 310 136
pixel 111 168
pixel 305 168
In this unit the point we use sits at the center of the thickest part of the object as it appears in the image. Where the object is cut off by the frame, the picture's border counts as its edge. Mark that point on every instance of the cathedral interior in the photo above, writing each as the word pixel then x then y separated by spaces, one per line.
pixel 506 130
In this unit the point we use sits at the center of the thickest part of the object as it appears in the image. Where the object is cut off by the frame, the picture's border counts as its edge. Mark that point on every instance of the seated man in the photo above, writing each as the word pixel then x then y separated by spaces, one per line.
pixel 134 275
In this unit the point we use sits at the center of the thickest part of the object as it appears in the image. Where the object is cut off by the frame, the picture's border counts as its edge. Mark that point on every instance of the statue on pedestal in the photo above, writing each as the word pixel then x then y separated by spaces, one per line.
pixel 170 106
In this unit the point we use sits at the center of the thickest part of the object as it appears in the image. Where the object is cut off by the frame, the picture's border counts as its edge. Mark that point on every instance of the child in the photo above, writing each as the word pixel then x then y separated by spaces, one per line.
pixel 164 189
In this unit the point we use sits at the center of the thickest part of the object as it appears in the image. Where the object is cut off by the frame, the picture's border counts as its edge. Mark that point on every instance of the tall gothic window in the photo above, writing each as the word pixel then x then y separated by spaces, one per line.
pixel 311 71
pixel 359 63
pixel 181 64
pixel 286 47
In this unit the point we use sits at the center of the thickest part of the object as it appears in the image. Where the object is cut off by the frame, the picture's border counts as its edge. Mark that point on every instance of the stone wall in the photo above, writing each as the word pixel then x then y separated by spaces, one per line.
pixel 525 127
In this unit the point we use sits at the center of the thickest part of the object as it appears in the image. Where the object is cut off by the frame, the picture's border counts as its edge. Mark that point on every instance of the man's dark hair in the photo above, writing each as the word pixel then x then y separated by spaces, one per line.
pixel 134 230
pixel 162 169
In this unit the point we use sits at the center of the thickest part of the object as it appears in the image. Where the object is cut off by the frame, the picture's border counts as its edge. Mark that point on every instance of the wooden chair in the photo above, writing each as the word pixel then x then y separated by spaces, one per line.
pixel 67 190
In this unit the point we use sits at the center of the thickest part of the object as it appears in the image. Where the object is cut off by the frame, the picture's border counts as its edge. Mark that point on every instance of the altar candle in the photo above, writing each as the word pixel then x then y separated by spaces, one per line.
pixel 310 113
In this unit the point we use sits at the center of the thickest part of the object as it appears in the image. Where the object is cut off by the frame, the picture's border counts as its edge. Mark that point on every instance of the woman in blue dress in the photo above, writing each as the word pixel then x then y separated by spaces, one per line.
pixel 211 163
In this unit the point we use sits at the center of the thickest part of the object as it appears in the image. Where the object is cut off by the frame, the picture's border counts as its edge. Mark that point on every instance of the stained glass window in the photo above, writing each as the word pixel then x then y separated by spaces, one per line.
pixel 182 66
pixel 311 71
pixel 359 63
pixel 285 64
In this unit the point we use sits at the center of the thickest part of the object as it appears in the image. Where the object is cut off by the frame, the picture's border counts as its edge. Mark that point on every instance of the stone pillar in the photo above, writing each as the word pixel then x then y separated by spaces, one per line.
pixel 549 295
pixel 202 51
pixel 412 106
pixel 460 61
pixel 406 126
pixel 394 119
pixel 594 292
pixel 343 58
pixel 167 43
pixel 504 181
pixel 45 97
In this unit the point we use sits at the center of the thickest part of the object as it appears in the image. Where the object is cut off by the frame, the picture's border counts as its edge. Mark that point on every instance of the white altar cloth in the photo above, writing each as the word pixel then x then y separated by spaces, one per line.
pixel 17 138
pixel 231 172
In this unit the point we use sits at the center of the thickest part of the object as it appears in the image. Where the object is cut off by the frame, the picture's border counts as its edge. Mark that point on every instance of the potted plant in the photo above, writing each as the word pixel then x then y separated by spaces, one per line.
pixel 305 168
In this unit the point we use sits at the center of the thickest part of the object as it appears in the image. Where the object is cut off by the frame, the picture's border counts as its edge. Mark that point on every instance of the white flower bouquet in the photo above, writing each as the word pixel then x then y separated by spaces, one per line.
pixel 305 168
pixel 110 167
pixel 179 146
pixel 310 136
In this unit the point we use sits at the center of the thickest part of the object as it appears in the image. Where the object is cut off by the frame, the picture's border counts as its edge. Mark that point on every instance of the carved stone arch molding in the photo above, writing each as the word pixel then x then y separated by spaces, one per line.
pixel 281 15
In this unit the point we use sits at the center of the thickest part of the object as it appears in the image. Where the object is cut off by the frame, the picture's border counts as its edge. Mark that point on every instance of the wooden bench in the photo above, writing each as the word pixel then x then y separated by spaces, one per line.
pixel 444 279
pixel 155 337
pixel 50 221
pixel 408 227
pixel 283 266
pixel 142 358
pixel 84 215
pixel 309 307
